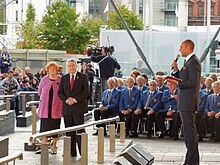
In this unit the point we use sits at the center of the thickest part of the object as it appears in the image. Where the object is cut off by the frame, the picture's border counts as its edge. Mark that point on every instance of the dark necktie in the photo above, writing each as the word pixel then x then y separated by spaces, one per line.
pixel 72 82
pixel 148 101
pixel 208 92
pixel 184 62
pixel 109 96
pixel 215 98
pixel 129 92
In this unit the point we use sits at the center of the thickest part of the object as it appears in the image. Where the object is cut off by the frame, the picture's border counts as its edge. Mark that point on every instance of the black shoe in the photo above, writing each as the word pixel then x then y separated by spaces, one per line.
pixel 133 135
pixel 73 155
pixel 161 135
pixel 149 136
pixel 127 133
pixel 200 139
pixel 175 138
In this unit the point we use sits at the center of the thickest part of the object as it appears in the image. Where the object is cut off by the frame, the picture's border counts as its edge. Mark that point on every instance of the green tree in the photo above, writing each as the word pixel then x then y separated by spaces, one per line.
pixel 132 20
pixel 29 31
pixel 2 16
pixel 93 24
pixel 60 30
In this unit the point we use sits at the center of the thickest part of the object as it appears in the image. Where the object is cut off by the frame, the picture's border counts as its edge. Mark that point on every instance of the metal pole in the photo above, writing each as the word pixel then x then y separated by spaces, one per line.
pixel 44 154
pixel 8 104
pixel 139 50
pixel 122 131
pixel 23 98
pixel 66 150
pixel 100 152
pixel 34 120
pixel 202 58
pixel 112 138
pixel 207 69
pixel 84 148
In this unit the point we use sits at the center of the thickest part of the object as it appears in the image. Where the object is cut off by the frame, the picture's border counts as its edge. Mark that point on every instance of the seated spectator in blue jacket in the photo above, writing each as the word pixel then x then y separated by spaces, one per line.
pixel 202 102
pixel 5 63
pixel 130 97
pixel 211 109
pixel 169 100
pixel 147 106
pixel 109 105
pixel 141 84
pixel 160 83
pixel 120 84
pixel 208 83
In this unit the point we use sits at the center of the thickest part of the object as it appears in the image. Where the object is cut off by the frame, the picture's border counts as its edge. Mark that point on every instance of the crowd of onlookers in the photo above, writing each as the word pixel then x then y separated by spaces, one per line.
pixel 140 102
pixel 152 104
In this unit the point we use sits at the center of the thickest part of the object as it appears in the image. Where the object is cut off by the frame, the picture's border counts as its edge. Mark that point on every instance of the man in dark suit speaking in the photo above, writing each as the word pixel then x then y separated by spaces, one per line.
pixel 73 91
pixel 188 102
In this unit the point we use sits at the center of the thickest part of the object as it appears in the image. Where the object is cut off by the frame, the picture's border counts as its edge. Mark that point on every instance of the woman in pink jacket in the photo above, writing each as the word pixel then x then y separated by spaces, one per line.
pixel 50 107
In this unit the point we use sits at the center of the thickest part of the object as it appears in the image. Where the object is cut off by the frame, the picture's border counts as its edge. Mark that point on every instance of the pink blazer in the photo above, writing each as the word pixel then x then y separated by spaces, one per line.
pixel 44 89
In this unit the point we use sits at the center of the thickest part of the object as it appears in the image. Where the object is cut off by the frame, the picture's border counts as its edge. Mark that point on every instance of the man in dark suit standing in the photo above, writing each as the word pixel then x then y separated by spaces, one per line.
pixel 188 102
pixel 73 91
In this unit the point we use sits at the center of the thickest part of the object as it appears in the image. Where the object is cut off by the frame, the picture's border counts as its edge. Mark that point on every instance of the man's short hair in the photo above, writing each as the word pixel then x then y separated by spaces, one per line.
pixel 71 60
pixel 111 79
pixel 10 71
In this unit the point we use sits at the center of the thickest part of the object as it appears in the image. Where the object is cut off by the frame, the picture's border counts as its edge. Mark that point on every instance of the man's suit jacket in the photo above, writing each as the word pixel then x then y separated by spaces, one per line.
pixel 206 91
pixel 113 101
pixel 202 102
pixel 211 105
pixel 129 102
pixel 155 100
pixel 80 92
pixel 190 85
pixel 168 102
pixel 144 88
pixel 163 88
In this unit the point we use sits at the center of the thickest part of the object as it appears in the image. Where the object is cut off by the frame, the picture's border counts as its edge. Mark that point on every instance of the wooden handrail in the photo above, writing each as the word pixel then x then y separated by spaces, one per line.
pixel 70 129
pixel 12 157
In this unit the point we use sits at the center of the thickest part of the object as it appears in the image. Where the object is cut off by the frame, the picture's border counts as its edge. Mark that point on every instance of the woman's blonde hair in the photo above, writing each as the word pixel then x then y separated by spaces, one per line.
pixel 51 63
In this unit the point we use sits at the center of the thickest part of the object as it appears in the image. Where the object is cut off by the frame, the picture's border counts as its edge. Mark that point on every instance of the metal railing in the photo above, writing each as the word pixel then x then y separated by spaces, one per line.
pixel 84 141
pixel 12 157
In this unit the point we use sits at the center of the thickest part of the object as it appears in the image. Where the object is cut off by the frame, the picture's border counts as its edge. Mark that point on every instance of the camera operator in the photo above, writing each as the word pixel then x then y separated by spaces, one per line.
pixel 10 87
pixel 107 65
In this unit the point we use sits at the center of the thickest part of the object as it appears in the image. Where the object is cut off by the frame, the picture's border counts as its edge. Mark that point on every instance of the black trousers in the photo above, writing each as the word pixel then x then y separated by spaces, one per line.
pixel 104 114
pixel 217 128
pixel 69 122
pixel 203 125
pixel 127 119
pixel 190 137
pixel 176 123
pixel 150 120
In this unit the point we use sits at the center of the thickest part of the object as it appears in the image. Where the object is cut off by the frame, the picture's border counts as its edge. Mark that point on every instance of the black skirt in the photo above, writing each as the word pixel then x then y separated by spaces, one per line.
pixel 48 124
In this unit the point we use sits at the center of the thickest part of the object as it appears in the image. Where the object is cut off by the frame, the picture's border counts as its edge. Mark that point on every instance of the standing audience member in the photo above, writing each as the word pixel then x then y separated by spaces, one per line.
pixel 202 83
pixel 40 74
pixel 130 97
pixel 60 70
pixel 141 68
pixel 5 63
pixel 109 105
pixel 5 51
pixel 50 107
pixel 85 70
pixel 73 91
pixel 134 74
pixel 16 71
pixel 11 87
pixel 107 66
pixel 148 105
pixel 27 71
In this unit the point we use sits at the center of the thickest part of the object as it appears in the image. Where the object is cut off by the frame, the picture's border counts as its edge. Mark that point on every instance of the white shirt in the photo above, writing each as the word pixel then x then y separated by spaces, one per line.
pixel 188 57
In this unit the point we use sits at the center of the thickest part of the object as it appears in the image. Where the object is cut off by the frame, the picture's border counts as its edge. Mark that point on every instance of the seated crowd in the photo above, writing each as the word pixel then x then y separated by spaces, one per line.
pixel 149 105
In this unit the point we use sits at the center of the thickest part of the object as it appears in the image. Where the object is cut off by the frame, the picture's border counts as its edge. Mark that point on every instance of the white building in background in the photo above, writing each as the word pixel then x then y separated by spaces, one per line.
pixel 16 15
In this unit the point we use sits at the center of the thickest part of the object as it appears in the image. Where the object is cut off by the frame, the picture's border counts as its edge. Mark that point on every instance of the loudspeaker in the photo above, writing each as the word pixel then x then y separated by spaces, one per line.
pixel 121 161
pixel 137 155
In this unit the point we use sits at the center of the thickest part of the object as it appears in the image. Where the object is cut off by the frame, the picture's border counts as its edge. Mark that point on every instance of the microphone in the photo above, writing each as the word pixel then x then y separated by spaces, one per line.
pixel 176 59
